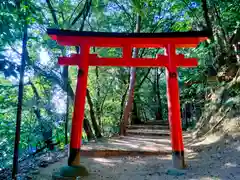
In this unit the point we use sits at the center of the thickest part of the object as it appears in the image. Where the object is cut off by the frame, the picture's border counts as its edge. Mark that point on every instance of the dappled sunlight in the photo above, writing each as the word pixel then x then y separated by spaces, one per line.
pixel 125 144
pixel 206 178
pixel 230 165
pixel 152 139
pixel 117 140
pixel 191 155
pixel 132 143
pixel 166 157
pixel 150 148
pixel 107 162
pixel 136 163
pixel 238 148
pixel 156 148
pixel 208 140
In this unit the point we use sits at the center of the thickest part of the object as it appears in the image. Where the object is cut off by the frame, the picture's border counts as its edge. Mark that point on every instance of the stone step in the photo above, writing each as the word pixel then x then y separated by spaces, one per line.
pixel 164 123
pixel 148 126
pixel 148 132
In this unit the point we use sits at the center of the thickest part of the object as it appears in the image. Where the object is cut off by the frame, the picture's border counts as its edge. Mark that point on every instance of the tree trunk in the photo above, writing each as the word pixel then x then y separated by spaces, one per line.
pixel 209 25
pixel 86 126
pixel 66 84
pixel 128 106
pixel 46 129
pixel 92 115
pixel 98 107
pixel 135 114
pixel 20 100
pixel 66 122
pixel 143 79
pixel 88 129
pixel 159 108
pixel 155 95
pixel 122 103
pixel 234 42
pixel 207 18
pixel 220 24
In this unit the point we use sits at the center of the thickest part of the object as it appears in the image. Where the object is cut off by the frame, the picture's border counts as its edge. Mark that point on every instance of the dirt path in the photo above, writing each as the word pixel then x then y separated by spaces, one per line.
pixel 212 159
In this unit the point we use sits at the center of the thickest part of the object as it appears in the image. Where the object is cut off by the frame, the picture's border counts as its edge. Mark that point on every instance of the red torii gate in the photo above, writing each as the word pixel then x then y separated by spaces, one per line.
pixel 127 41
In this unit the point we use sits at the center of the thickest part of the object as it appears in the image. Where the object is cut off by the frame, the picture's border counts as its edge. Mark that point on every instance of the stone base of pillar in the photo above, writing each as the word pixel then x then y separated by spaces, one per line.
pixel 178 160
pixel 70 173
pixel 176 172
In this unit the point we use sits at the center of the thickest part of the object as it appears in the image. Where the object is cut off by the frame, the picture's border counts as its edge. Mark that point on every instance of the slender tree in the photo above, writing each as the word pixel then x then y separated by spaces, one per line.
pixel 67 103
pixel 159 115
pixel 129 102
pixel 98 110
pixel 207 18
pixel 20 97
pixel 92 115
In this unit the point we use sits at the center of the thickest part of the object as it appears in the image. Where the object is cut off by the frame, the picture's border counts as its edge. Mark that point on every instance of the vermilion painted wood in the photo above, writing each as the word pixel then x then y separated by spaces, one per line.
pixel 61 32
pixel 79 103
pixel 160 61
pixel 173 101
pixel 106 39
pixel 132 42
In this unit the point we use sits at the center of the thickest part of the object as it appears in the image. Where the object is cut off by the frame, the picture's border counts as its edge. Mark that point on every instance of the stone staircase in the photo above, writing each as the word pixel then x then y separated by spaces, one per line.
pixel 151 128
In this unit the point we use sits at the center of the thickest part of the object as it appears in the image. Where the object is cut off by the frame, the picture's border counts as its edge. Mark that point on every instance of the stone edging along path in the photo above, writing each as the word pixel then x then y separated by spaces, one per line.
pixel 118 153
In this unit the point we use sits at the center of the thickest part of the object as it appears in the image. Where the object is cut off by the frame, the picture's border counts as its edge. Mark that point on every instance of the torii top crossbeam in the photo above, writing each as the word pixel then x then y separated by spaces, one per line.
pixel 139 40
pixel 127 41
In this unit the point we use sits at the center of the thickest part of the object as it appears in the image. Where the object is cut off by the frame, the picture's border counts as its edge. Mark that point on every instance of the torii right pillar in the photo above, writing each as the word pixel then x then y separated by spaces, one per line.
pixel 174 115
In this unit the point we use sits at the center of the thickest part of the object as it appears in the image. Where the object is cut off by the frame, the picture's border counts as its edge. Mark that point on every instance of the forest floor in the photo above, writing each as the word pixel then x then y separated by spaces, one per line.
pixel 211 158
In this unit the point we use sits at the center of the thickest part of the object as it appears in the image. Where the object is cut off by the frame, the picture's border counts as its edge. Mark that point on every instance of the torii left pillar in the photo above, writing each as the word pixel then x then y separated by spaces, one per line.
pixel 74 169
pixel 79 103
